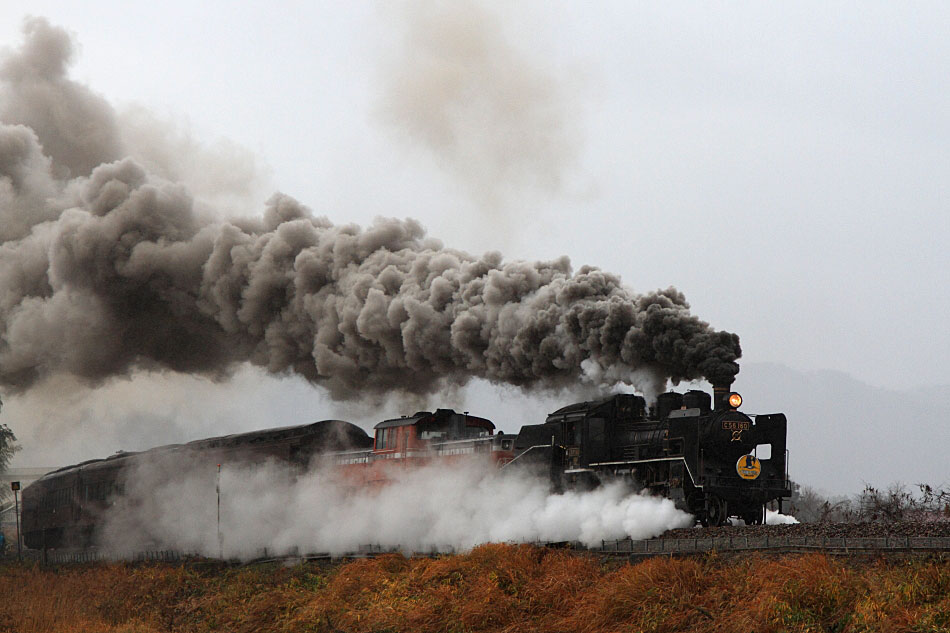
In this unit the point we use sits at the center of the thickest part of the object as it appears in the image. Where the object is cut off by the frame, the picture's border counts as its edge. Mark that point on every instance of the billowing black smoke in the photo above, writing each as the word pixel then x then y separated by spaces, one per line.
pixel 106 268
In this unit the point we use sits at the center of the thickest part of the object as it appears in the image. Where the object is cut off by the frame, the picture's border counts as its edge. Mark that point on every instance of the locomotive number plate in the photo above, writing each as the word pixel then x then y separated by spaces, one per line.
pixel 735 425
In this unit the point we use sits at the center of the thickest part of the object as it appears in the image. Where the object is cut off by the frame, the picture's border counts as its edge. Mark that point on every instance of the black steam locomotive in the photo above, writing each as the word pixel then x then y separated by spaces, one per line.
pixel 710 459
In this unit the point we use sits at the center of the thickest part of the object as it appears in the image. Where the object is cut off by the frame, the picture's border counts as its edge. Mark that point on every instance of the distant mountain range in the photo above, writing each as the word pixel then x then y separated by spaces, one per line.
pixel 843 433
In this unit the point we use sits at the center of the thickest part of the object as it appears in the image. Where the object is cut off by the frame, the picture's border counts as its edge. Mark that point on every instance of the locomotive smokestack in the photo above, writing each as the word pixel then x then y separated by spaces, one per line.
pixel 721 391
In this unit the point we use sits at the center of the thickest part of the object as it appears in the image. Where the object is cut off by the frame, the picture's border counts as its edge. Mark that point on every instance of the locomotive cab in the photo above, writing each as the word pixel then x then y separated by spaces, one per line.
pixel 743 465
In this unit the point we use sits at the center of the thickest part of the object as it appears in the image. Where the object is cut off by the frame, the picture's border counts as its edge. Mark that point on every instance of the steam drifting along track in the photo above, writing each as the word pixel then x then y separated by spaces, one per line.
pixel 842 539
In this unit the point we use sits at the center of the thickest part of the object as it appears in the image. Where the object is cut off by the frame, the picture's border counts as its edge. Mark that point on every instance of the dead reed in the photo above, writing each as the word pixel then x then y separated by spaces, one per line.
pixel 492 588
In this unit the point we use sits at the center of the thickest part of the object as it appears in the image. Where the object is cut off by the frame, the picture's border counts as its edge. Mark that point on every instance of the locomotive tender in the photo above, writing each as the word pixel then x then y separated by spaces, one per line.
pixel 710 459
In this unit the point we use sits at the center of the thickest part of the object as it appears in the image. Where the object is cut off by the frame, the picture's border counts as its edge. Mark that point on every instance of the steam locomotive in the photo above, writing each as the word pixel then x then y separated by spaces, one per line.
pixel 711 459
pixel 700 451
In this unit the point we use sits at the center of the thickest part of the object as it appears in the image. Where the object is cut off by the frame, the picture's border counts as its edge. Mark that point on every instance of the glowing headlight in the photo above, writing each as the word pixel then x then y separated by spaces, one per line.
pixel 735 400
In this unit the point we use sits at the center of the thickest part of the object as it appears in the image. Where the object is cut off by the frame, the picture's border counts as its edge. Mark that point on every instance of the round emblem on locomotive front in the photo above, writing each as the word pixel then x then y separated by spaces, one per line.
pixel 748 467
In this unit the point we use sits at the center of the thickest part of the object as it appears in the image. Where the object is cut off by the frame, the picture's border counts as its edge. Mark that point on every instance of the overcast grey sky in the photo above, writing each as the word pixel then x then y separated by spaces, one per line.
pixel 786 167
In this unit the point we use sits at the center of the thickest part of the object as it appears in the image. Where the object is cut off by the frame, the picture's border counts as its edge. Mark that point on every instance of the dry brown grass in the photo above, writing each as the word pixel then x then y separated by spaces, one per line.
pixel 493 588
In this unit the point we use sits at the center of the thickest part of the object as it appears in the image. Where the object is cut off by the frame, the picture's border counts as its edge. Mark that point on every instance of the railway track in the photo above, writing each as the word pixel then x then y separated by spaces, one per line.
pixel 844 539
pixel 838 546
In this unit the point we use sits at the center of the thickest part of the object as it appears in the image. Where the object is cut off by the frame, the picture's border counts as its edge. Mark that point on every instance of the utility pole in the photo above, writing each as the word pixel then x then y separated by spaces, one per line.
pixel 15 487
pixel 220 536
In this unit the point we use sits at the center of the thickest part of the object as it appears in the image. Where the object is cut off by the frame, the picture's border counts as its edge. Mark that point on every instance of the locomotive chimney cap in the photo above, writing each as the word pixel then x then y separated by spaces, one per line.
pixel 722 394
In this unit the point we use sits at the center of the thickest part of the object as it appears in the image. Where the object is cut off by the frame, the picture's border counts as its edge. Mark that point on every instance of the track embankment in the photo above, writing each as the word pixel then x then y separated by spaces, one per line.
pixel 840 539
pixel 933 529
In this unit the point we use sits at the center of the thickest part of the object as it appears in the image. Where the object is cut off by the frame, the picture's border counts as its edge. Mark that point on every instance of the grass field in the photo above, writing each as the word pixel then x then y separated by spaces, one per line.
pixel 493 588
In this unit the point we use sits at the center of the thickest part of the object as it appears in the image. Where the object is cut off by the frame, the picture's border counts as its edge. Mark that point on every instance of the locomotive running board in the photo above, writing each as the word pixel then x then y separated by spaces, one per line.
pixel 655 459
pixel 540 459
pixel 528 451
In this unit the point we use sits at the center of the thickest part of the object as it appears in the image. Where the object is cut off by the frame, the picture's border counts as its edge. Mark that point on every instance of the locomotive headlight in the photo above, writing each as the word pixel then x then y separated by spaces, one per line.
pixel 735 400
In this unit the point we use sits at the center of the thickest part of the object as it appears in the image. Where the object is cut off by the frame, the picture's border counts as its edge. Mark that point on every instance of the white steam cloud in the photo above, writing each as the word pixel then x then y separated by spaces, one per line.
pixel 434 508
pixel 774 518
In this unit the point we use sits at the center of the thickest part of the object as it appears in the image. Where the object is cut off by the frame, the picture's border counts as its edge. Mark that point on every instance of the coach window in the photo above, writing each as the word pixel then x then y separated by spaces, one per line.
pixel 385 438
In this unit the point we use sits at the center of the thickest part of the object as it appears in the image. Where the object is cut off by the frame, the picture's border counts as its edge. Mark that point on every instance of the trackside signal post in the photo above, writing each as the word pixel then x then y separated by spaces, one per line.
pixel 15 487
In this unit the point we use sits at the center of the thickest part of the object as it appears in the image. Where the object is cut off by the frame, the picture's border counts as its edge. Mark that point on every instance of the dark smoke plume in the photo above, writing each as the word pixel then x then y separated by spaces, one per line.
pixel 495 119
pixel 106 268
pixel 76 127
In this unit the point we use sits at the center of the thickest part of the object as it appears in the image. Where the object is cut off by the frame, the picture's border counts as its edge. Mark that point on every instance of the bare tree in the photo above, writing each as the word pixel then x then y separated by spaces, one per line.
pixel 936 500
pixel 810 506
pixel 8 447
pixel 884 506
pixel 872 505
pixel 897 503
